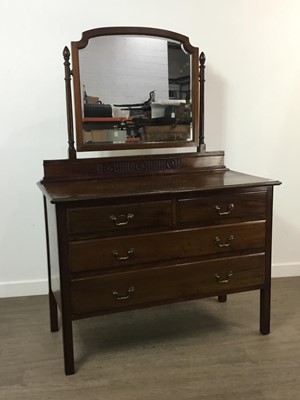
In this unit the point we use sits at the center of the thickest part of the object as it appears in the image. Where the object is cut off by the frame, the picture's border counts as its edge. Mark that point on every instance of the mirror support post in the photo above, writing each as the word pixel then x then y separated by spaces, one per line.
pixel 202 59
pixel 68 73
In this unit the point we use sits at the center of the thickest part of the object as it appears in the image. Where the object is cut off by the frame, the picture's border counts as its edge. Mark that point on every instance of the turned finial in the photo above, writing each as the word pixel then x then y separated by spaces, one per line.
pixel 202 58
pixel 66 53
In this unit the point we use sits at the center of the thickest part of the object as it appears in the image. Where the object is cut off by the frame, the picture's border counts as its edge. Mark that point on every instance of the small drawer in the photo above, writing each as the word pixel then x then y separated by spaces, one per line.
pixel 222 209
pixel 121 291
pixel 119 252
pixel 117 219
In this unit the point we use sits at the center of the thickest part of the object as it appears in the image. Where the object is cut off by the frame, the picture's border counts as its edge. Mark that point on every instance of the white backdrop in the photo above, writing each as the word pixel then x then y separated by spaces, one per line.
pixel 252 106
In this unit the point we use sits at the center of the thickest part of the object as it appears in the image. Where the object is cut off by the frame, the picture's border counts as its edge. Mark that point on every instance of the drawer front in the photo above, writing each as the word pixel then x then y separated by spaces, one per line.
pixel 121 291
pixel 120 252
pixel 222 209
pixel 118 219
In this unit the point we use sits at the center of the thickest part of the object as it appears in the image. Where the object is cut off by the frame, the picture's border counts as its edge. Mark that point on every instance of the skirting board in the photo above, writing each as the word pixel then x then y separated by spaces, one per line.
pixel 285 270
pixel 38 287
pixel 23 288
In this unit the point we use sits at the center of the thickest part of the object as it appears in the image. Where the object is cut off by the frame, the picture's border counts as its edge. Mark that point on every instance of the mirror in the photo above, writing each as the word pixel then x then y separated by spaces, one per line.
pixel 135 88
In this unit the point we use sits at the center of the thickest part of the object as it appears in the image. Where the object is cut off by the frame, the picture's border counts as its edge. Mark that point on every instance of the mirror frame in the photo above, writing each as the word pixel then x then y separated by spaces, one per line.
pixel 112 31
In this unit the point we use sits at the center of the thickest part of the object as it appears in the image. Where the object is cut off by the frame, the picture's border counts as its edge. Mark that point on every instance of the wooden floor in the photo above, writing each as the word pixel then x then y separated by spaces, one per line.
pixel 189 351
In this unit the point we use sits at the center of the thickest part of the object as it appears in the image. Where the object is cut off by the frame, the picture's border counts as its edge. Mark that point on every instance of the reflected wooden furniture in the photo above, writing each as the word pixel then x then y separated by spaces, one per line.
pixel 137 231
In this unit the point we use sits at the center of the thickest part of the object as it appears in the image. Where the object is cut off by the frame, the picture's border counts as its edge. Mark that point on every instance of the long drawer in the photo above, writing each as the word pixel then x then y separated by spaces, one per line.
pixel 118 219
pixel 120 291
pixel 119 252
pixel 222 209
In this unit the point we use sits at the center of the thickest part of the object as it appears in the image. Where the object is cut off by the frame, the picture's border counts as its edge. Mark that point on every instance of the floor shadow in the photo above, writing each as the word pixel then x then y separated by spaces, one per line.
pixel 154 326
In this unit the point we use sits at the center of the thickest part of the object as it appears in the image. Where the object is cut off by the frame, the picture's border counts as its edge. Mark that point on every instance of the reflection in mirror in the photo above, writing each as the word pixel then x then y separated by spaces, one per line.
pixel 135 89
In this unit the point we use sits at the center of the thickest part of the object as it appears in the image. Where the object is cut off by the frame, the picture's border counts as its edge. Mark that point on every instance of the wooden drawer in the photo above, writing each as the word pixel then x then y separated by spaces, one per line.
pixel 119 252
pixel 121 291
pixel 222 209
pixel 117 219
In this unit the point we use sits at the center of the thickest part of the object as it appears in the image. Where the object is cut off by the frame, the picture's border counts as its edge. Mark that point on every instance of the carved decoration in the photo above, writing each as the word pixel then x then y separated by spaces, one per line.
pixel 137 166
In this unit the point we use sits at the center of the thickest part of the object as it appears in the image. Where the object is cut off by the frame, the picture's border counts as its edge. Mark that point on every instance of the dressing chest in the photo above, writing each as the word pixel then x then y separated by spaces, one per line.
pixel 135 231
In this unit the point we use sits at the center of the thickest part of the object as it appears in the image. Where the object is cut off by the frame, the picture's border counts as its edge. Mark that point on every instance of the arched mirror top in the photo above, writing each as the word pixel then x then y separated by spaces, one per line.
pixel 133 31
pixel 135 88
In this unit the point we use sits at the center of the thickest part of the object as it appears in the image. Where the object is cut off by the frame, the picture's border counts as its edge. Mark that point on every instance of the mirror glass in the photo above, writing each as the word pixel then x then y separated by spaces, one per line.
pixel 134 91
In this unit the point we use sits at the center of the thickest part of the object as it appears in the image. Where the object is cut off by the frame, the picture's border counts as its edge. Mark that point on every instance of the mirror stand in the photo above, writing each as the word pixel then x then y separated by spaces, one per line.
pixel 113 69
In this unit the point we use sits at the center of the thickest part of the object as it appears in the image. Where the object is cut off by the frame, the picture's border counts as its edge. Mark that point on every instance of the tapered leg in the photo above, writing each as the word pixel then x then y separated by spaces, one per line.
pixel 68 345
pixel 52 301
pixel 53 313
pixel 265 308
pixel 222 298
pixel 265 293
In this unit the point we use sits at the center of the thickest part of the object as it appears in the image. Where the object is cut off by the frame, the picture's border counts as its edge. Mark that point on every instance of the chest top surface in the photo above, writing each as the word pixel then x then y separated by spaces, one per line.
pixel 129 187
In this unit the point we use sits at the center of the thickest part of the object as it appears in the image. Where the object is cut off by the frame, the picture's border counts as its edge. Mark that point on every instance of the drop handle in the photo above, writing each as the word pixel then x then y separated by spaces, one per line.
pixel 130 253
pixel 226 280
pixel 226 244
pixel 122 219
pixel 230 207
pixel 130 291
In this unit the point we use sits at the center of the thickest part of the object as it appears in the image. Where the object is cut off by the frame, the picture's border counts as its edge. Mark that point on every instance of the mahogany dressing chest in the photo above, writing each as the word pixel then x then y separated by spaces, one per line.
pixel 132 231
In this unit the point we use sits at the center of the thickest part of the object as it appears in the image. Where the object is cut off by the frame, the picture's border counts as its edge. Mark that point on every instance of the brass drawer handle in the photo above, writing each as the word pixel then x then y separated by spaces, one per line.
pixel 228 276
pixel 121 298
pixel 130 253
pixel 227 244
pixel 122 219
pixel 230 207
